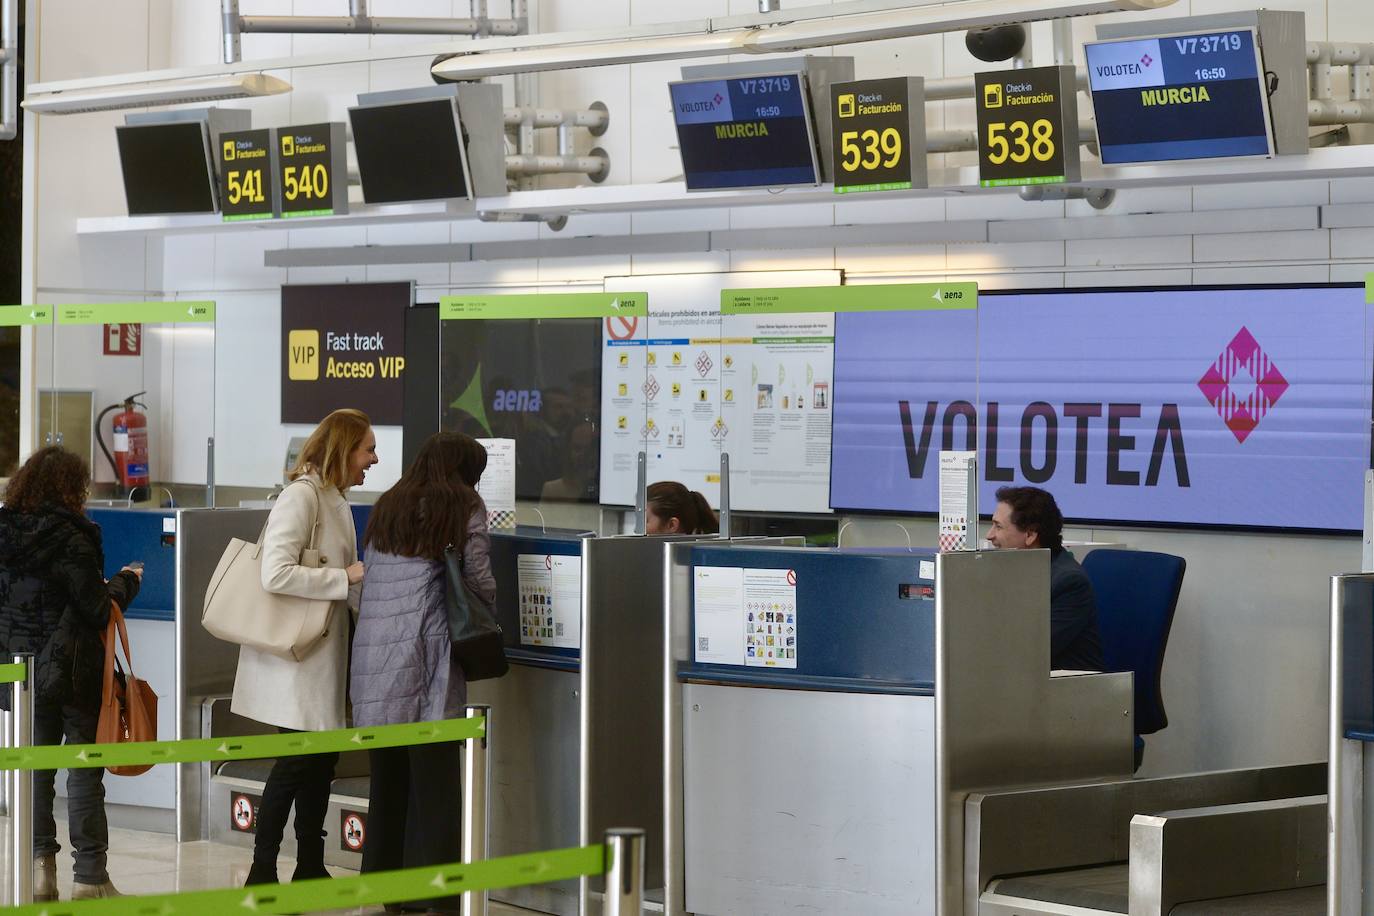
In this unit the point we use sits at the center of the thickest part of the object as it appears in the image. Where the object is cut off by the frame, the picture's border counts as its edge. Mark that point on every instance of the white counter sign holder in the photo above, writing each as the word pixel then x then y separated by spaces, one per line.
pixel 958 500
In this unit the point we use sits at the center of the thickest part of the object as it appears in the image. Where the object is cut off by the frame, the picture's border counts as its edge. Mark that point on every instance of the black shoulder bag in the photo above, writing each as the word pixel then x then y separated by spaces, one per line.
pixel 478 642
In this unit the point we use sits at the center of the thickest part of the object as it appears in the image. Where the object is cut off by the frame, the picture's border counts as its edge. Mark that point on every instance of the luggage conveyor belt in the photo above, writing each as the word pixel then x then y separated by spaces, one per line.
pixel 1242 841
pixel 1083 891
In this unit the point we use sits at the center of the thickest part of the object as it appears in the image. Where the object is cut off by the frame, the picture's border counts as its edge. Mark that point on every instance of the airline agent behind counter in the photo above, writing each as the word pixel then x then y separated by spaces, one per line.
pixel 1027 518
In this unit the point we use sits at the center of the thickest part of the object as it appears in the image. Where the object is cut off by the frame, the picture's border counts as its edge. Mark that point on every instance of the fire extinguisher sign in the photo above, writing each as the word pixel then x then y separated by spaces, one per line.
pixel 123 339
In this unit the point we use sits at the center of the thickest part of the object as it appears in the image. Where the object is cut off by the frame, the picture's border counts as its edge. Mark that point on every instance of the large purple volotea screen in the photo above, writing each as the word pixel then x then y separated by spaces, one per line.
pixel 1201 406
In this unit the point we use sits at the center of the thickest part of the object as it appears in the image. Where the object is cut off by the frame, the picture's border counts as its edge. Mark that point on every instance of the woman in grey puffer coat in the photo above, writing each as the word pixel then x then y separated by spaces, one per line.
pixel 402 667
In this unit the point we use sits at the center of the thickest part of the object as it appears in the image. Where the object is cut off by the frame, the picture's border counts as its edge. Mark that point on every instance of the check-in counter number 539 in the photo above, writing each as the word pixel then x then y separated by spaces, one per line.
pixel 870 149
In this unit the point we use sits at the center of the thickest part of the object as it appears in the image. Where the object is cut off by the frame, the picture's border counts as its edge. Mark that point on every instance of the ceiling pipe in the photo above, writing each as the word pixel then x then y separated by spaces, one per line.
pixel 9 69
pixel 358 22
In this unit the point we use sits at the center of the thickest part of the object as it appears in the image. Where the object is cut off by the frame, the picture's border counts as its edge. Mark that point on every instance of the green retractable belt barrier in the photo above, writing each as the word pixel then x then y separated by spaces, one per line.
pixel 248 747
pixel 11 673
pixel 345 893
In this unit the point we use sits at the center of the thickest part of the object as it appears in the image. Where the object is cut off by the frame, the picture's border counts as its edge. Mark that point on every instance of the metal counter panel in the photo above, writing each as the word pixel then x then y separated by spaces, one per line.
pixel 506 548
pixel 138 534
pixel 205 665
pixel 622 694
pixel 853 625
pixel 533 747
pixel 801 801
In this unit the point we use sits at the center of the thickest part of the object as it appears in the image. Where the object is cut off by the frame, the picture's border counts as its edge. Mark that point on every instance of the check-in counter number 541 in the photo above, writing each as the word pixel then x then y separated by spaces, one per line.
pixel 245 186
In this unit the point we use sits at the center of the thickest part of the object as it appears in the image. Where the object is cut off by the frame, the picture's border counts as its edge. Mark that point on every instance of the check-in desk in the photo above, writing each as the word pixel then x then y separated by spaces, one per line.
pixel 535 727
pixel 575 727
pixel 832 778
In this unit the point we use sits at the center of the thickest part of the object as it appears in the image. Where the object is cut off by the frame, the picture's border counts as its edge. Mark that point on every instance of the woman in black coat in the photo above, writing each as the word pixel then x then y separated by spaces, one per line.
pixel 55 603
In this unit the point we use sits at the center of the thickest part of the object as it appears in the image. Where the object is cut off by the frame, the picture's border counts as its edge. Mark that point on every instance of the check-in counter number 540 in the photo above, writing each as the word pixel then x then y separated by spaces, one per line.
pixel 1020 142
pixel 305 181
pixel 870 148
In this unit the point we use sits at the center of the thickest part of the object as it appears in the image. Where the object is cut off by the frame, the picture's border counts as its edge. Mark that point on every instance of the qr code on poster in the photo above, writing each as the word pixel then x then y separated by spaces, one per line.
pixel 703 644
pixel 558 629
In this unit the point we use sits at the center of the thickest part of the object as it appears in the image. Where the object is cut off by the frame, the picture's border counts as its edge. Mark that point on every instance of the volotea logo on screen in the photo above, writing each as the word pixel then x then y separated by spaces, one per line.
pixel 1243 384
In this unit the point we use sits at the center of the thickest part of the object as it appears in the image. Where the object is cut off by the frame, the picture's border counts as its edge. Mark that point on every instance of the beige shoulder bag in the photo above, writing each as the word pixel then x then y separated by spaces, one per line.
pixel 239 610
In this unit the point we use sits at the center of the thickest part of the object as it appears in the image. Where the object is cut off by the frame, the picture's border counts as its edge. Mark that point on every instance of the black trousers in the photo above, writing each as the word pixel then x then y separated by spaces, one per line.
pixel 90 832
pixel 304 782
pixel 414 816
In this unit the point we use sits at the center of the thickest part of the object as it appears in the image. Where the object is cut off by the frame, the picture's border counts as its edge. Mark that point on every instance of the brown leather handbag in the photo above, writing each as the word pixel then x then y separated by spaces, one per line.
pixel 128 706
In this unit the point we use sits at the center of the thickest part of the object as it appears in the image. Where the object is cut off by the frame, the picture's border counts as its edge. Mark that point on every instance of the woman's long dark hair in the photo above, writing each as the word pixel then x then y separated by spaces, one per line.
pixel 670 499
pixel 429 507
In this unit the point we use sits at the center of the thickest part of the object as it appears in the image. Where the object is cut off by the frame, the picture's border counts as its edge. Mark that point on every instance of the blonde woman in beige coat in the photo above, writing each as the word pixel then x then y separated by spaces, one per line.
pixel 307 695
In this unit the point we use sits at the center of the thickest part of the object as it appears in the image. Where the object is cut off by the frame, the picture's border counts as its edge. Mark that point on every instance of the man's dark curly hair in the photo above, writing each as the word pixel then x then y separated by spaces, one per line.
pixel 52 476
pixel 1034 509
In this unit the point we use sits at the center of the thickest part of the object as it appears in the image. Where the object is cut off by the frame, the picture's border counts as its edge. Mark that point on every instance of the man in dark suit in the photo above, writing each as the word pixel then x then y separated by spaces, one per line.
pixel 1027 518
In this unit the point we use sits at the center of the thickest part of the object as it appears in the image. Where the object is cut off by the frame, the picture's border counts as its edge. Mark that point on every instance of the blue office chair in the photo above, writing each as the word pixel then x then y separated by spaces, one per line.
pixel 1137 592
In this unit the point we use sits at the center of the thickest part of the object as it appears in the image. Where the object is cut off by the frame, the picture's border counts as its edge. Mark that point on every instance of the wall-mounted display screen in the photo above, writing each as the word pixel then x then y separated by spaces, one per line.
pixel 537 381
pixel 167 167
pixel 747 132
pixel 1195 96
pixel 1202 406
pixel 410 151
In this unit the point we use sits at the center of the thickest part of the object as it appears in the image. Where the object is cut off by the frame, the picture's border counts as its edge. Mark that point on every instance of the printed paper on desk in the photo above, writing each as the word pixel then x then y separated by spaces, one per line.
pixel 497 486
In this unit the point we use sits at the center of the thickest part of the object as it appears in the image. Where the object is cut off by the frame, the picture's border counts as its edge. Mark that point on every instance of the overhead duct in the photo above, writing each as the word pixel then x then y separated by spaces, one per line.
pixel 610 48
pixel 150 95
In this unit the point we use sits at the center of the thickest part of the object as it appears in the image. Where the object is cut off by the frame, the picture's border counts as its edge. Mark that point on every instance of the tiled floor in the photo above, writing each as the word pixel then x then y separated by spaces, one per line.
pixel 154 863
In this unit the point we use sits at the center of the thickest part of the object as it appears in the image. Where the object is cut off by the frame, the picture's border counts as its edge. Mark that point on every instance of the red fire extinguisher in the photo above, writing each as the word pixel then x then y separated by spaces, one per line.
pixel 130 429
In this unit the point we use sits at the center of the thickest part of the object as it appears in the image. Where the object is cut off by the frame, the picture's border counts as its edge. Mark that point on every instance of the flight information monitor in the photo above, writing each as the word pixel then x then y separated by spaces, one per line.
pixel 1194 96
pixel 167 167
pixel 746 132
pixel 410 151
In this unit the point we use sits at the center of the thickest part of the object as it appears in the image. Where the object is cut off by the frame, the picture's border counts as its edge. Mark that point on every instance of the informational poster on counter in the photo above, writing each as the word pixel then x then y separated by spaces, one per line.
pixel 958 499
pixel 695 379
pixel 497 486
pixel 550 600
pixel 745 616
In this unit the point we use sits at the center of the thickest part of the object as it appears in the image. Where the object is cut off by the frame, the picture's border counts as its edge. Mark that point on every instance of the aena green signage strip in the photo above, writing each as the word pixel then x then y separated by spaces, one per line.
pixel 546 305
pixel 247 747
pixel 136 313
pixel 1369 289
pixel 11 673
pixel 347 894
pixel 891 297
pixel 12 316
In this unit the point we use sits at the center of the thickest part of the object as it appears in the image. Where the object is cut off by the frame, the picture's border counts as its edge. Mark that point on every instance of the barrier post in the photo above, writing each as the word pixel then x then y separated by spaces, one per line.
pixel 476 799
pixel 625 872
pixel 21 785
